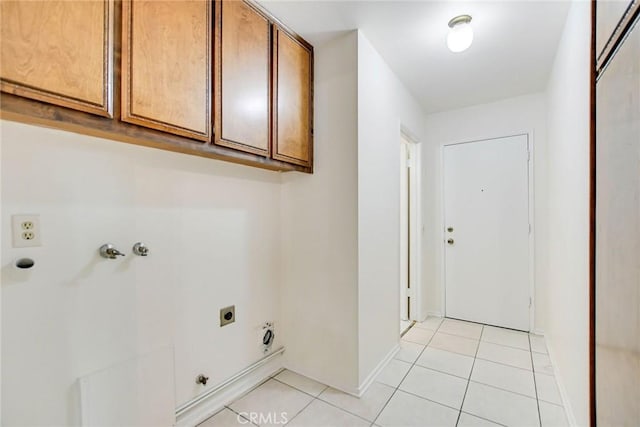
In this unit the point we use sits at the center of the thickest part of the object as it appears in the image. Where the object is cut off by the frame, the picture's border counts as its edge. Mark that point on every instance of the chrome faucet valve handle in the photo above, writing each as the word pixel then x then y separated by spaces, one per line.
pixel 201 379
pixel 108 251
pixel 140 249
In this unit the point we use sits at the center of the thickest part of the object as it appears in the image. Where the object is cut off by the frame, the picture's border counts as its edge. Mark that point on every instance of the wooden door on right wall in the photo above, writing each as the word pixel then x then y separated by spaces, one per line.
pixel 292 100
pixel 616 288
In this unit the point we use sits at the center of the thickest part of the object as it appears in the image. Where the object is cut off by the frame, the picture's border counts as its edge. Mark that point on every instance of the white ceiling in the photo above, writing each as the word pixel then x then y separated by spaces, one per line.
pixel 512 53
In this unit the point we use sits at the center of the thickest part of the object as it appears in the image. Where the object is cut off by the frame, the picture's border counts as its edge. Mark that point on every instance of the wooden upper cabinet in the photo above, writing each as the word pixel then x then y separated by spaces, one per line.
pixel 243 77
pixel 58 51
pixel 293 99
pixel 166 66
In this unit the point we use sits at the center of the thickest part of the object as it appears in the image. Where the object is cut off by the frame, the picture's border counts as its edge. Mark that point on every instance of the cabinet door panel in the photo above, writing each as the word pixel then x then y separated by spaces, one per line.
pixel 293 100
pixel 609 14
pixel 617 238
pixel 243 78
pixel 58 52
pixel 166 66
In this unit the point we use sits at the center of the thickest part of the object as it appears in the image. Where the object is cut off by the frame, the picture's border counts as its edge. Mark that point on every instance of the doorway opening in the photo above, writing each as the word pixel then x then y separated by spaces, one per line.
pixel 409 242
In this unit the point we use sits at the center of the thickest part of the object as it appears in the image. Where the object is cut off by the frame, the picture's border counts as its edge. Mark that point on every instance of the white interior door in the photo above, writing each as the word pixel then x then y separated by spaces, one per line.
pixel 486 198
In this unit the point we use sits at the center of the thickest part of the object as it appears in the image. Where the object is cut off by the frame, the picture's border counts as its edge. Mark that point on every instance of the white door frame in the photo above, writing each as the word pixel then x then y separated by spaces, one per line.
pixel 415 226
pixel 530 170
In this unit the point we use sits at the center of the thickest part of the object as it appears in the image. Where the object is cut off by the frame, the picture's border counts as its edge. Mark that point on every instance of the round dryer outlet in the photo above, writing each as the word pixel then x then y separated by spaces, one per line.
pixel 268 336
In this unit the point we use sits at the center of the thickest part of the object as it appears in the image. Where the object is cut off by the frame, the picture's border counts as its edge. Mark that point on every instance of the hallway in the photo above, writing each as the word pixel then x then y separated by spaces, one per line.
pixel 447 373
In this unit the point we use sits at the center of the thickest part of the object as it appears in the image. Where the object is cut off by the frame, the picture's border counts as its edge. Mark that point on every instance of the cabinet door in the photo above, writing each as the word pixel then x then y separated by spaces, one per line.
pixel 293 99
pixel 617 237
pixel 166 66
pixel 243 77
pixel 58 52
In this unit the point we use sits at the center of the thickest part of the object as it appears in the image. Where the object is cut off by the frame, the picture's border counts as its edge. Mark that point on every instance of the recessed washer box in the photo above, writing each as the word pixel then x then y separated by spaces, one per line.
pixel 227 315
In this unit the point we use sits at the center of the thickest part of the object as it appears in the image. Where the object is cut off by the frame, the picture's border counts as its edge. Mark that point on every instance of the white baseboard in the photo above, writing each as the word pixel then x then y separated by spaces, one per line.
pixel 568 410
pixel 372 376
pixel 229 393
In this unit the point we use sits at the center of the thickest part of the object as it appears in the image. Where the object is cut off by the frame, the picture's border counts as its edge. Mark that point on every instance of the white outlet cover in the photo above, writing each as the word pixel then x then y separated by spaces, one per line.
pixel 21 224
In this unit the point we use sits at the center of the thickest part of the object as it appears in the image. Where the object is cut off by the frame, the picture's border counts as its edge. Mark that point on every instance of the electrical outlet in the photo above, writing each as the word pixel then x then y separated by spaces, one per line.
pixel 26 231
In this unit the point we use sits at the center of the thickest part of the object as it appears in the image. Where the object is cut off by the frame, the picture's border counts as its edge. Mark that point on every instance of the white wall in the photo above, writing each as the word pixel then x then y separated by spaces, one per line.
pixel 567 324
pixel 511 116
pixel 385 107
pixel 213 229
pixel 319 230
pixel 340 293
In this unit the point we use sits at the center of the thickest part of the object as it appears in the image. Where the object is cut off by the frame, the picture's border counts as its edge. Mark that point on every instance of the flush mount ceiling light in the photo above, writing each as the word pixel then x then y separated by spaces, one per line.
pixel 460 33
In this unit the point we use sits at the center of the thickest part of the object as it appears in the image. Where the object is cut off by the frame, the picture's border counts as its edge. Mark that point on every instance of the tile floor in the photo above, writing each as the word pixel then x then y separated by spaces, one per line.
pixel 447 373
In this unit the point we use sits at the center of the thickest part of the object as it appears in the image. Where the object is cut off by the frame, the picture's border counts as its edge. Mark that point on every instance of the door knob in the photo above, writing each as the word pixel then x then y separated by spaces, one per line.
pixel 450 241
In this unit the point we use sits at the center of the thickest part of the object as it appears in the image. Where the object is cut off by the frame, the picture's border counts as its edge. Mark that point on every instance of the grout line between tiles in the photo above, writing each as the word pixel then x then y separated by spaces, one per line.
pixel 506 364
pixel 300 390
pixel 469 380
pixel 504 389
pixel 405 375
pixel 429 400
pixel 474 381
pixel 535 386
pixel 300 411
pixel 508 346
pixel 344 410
pixel 238 414
pixel 482 418
pixel 460 336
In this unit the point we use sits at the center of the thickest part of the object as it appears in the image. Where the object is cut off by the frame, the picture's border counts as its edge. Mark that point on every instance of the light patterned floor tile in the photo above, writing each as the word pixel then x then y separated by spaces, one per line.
pixel 505 377
pixel 407 410
pixel 506 337
pixel 552 415
pixel 548 389
pixel 461 328
pixel 542 364
pixel 271 400
pixel 418 336
pixel 321 414
pixel 467 420
pixel 300 382
pixel 225 418
pixel 505 355
pixel 432 323
pixel 393 373
pixel 446 361
pixel 409 351
pixel 436 386
pixel 368 406
pixel 501 406
pixel 538 344
pixel 454 343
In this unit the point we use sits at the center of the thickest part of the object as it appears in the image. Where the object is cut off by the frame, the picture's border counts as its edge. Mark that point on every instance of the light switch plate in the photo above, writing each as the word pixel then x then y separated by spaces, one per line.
pixel 26 231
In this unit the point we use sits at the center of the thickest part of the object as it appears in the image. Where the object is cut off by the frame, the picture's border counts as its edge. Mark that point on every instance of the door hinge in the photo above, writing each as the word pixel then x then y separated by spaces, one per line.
pixel 530 302
pixel 529 228
pixel 528 155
